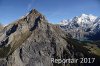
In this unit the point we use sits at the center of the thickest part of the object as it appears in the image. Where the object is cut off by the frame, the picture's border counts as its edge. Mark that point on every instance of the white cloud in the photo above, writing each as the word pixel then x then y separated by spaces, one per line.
pixel 30 5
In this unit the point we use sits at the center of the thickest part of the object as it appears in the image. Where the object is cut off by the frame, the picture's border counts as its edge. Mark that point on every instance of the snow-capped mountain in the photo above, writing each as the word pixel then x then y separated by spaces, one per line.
pixel 82 27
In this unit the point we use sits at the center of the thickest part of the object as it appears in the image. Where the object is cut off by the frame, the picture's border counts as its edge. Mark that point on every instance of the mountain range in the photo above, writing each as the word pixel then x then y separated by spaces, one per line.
pixel 32 41
pixel 83 27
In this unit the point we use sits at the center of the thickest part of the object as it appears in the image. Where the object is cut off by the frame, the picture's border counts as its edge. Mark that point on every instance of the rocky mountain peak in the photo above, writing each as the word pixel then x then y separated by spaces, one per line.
pixel 85 19
pixel 27 24
pixel 88 15
pixel 84 15
pixel 64 22
pixel 32 15
pixel 34 11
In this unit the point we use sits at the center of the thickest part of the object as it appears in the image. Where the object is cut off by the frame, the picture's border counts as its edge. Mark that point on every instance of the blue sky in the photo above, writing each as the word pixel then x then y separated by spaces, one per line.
pixel 54 10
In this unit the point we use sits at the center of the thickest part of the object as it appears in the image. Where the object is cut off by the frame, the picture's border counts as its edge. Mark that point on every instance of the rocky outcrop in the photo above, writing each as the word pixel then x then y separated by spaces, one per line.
pixel 32 41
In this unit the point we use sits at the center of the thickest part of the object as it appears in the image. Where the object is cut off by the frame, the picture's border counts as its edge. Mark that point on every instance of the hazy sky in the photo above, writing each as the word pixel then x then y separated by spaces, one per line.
pixel 54 10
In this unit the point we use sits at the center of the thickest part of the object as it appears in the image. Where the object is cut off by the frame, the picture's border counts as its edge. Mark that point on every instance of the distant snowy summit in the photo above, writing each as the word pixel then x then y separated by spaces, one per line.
pixel 84 18
pixel 83 27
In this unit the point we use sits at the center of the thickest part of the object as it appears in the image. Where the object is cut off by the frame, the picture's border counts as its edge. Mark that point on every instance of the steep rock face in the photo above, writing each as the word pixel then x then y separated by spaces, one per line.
pixel 32 41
